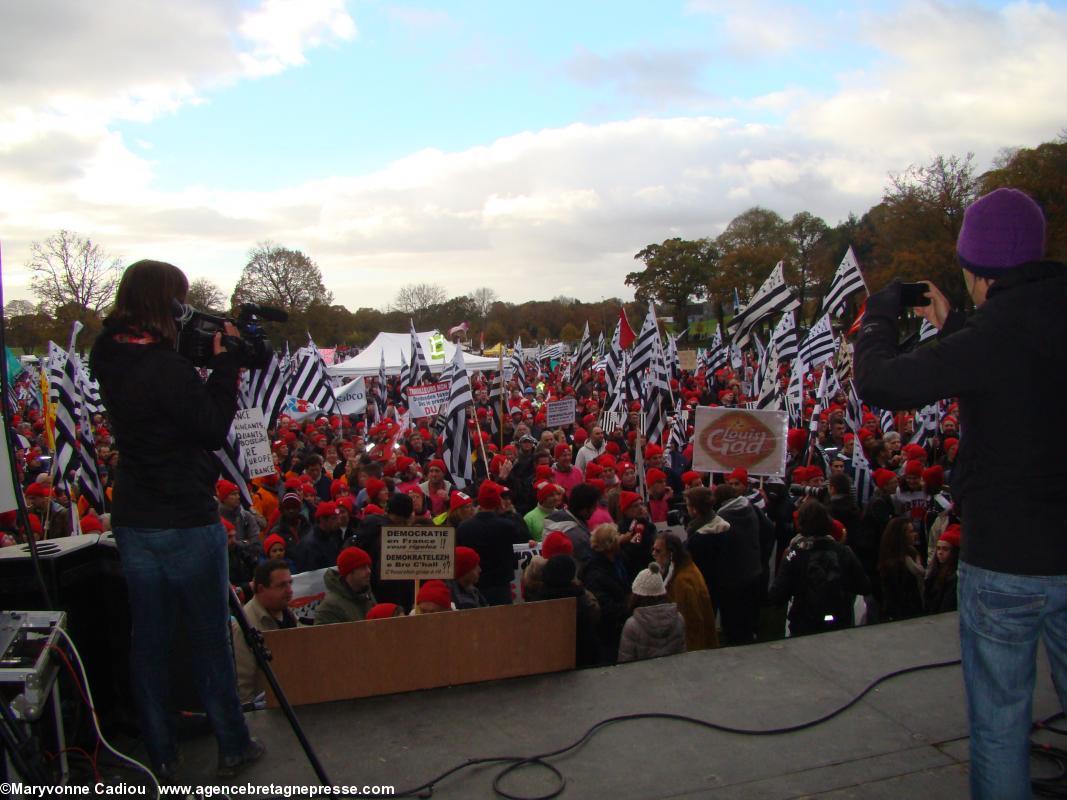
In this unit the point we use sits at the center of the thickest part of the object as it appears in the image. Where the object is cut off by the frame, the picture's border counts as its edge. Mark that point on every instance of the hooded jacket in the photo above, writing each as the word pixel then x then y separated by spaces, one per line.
pixel 166 422
pixel 651 632
pixel 1008 478
pixel 341 604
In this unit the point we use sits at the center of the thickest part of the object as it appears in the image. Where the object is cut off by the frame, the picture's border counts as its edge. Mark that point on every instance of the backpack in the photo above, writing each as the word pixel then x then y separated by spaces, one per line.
pixel 824 589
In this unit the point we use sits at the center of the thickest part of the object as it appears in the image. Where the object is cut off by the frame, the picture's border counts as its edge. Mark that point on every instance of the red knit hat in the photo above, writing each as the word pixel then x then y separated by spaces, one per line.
pixel 547 488
pixel 597 484
pixel 934 477
pixel 225 488
pixel 557 543
pixel 458 500
pixel 882 477
pixel 337 487
pixel 382 611
pixel 326 509
pixel 796 438
pixel 560 449
pixel 270 541
pixel 691 477
pixel 593 470
pixel 374 487
pixel 467 558
pixel 914 452
pixel 542 473
pixel 36 489
pixel 489 495
pixel 347 502
pixel 435 592
pixel 652 450
pixel 952 535
pixel 655 475
pixel 437 463
pixel 739 474
pixel 913 468
pixel 372 508
pixel 91 523
pixel 496 464
pixel 352 558
pixel 627 499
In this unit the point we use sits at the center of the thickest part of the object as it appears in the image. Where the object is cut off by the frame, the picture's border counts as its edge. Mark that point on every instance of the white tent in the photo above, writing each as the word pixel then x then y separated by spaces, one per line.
pixel 397 349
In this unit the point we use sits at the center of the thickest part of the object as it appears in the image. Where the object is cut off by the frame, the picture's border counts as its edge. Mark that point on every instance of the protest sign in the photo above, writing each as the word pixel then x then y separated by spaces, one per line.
pixel 418 553
pixel 559 413
pixel 252 434
pixel 352 397
pixel 426 401
pixel 687 360
pixel 523 553
pixel 728 438
pixel 308 590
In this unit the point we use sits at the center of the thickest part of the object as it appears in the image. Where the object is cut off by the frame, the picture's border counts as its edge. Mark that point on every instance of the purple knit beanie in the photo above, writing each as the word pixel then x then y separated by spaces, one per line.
pixel 1001 230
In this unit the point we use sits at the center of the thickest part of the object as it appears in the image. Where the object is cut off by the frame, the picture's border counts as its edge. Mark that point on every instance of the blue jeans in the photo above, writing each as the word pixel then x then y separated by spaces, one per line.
pixel 1001 618
pixel 181 571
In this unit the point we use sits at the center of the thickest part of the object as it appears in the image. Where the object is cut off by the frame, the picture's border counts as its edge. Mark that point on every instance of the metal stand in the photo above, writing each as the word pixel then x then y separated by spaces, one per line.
pixel 254 639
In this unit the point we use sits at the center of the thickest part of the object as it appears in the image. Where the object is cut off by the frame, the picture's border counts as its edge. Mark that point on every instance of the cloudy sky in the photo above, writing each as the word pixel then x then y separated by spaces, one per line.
pixel 529 147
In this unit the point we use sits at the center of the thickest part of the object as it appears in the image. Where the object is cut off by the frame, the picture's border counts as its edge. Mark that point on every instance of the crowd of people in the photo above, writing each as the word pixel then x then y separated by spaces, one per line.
pixel 665 561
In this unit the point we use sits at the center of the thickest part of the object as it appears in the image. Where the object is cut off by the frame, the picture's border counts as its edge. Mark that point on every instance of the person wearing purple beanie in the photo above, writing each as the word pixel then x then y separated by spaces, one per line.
pixel 1009 479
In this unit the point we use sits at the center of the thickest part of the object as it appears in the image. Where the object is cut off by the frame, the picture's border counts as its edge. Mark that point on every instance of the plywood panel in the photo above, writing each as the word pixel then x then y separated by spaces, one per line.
pixel 383 656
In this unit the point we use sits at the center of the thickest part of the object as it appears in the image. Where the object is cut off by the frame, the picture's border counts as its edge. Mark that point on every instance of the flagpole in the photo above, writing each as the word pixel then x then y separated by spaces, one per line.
pixel 500 357
pixel 481 442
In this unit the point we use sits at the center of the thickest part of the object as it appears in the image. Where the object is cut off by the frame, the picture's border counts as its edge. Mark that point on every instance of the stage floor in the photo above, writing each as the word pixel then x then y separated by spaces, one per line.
pixel 906 738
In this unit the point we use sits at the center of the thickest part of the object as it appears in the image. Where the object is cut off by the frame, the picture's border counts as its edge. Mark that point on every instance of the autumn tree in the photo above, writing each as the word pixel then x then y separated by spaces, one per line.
pixel 809 268
pixel 416 298
pixel 751 245
pixel 483 299
pixel 67 268
pixel 280 277
pixel 205 296
pixel 675 272
pixel 1041 172
pixel 915 227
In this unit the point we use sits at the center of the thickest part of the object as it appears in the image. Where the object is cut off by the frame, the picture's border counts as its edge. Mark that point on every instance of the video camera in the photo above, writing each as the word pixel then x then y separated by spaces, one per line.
pixel 821 493
pixel 196 334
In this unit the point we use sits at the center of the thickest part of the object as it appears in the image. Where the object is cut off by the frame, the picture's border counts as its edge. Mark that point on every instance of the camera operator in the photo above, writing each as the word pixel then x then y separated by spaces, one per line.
pixel 165 516
pixel 1009 479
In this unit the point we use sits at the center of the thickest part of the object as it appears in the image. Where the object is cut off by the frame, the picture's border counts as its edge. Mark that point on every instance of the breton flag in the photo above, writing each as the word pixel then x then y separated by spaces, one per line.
pixel 769 387
pixel 613 358
pixel 233 467
pixel 784 337
pixel 518 365
pixel 820 343
pixel 794 396
pixel 583 359
pixel 457 440
pixel 772 297
pixel 63 398
pixel 495 393
pixel 311 382
pixel 658 388
pixel 599 346
pixel 643 352
pixel 854 410
pixel 89 484
pixel 405 375
pixel 927 424
pixel 846 280
pixel 888 422
pixel 266 389
pixel 861 475
pixel 420 366
pixel 674 365
pixel 927 331
pixel 680 431
pixel 380 389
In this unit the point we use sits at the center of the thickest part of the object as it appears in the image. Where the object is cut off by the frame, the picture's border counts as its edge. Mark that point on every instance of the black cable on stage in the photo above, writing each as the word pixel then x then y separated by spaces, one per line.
pixel 514 763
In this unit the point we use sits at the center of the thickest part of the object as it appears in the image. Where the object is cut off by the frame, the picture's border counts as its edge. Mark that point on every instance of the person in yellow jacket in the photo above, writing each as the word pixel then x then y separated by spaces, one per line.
pixel 687 590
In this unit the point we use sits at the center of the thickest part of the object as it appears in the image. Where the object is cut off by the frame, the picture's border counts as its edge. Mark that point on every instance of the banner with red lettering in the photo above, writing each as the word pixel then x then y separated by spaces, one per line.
pixel 727 438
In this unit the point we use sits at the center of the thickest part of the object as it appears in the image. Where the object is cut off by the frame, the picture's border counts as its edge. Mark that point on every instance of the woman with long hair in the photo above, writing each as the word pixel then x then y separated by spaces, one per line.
pixel 167 421
pixel 900 571
pixel 941 578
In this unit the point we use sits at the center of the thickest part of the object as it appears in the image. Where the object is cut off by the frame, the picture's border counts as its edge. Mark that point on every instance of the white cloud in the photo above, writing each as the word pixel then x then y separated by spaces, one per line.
pixel 280 31
pixel 757 28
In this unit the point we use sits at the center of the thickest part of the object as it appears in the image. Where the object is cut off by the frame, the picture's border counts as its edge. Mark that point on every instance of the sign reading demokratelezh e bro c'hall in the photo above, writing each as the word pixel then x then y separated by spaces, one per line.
pixel 417 553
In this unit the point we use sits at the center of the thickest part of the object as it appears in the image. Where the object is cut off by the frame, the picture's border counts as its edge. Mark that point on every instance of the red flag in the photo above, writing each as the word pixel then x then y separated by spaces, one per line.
pixel 852 331
pixel 626 333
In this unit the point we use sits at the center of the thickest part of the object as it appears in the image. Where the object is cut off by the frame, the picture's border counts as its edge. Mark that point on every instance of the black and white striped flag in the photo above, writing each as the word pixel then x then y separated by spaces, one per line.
pixel 794 398
pixel 420 365
pixel 657 389
pixel 89 484
pixel 233 467
pixel 381 389
pixel 457 440
pixel 613 358
pixel 583 359
pixel 266 390
pixel 862 479
pixel 63 397
pixel 680 431
pixel 820 343
pixel 927 424
pixel 927 331
pixel 642 354
pixel 784 337
pixel 846 280
pixel 517 363
pixel 772 297
pixel 311 382
pixel 405 375
pixel 674 362
pixel 495 393
pixel 854 410
pixel 769 386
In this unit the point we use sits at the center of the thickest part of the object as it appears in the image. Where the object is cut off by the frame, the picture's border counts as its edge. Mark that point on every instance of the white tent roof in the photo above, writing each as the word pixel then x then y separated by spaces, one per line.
pixel 397 349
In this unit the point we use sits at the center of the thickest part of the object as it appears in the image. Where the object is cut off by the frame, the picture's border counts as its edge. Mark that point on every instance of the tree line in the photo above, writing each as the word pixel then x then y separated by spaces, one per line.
pixel 911 233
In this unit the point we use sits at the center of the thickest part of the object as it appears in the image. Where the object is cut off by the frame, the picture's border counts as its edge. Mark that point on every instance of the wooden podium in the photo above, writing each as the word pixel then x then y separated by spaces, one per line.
pixel 402 654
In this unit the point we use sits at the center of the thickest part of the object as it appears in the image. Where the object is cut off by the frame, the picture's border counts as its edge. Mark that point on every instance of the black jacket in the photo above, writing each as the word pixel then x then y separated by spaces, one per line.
pixel 816 610
pixel 611 589
pixel 317 550
pixel 1007 364
pixel 166 422
pixel 492 537
pixel 369 538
